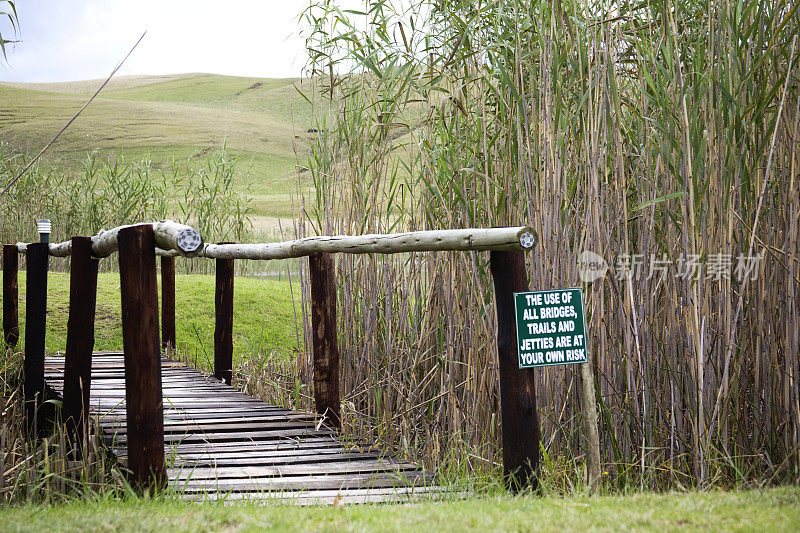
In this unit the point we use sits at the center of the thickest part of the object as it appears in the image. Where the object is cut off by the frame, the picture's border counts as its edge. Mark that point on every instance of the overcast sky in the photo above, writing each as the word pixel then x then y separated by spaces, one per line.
pixel 67 40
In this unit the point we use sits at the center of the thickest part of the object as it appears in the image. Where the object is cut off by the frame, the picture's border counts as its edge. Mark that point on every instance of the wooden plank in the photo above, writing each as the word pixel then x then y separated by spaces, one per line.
pixel 188 404
pixel 178 415
pixel 249 445
pixel 277 456
pixel 122 438
pixel 193 427
pixel 320 448
pixel 223 324
pixel 171 380
pixel 520 420
pixel 364 466
pixel 325 344
pixel 176 449
pixel 80 336
pixel 227 419
pixel 218 462
pixel 10 295
pixel 212 461
pixel 35 329
pixel 328 497
pixel 311 482
pixel 185 394
pixel 168 303
pixel 140 339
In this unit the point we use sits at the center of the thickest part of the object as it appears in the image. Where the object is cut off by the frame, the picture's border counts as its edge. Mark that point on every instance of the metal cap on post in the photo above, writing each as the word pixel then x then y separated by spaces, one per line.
pixel 44 227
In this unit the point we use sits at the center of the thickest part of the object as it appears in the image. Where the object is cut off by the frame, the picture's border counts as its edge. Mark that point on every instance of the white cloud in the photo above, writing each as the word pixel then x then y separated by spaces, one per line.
pixel 64 40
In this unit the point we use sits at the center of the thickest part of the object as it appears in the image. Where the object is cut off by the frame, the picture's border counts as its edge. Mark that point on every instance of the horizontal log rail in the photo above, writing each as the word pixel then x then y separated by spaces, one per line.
pixel 170 236
pixel 173 239
pixel 453 240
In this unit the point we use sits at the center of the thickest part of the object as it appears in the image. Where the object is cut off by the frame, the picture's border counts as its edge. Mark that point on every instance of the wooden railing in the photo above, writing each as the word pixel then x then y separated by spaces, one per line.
pixel 138 246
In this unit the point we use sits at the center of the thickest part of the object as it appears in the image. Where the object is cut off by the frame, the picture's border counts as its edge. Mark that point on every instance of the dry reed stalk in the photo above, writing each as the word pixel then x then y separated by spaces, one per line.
pixel 645 130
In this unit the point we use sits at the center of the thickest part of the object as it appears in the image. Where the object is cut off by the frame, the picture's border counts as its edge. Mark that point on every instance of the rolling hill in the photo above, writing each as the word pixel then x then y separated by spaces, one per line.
pixel 264 121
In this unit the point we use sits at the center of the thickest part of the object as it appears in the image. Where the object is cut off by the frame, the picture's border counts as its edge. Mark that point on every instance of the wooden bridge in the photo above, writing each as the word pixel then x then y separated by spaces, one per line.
pixel 170 424
pixel 221 442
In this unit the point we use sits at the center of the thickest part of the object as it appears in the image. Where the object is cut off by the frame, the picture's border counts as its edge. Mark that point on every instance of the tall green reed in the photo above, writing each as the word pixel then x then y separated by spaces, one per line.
pixel 661 136
pixel 208 191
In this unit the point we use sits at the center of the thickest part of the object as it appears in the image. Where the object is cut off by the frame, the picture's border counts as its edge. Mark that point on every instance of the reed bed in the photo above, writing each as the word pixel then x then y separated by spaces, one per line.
pixel 209 191
pixel 662 137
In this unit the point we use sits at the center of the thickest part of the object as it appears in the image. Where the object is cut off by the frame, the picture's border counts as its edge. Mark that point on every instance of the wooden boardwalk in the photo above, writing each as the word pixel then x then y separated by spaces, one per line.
pixel 221 443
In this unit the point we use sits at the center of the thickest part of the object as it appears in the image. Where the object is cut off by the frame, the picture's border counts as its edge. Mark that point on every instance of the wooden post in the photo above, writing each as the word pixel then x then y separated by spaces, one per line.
pixel 168 303
pixel 140 340
pixel 10 295
pixel 35 328
pixel 517 389
pixel 325 344
pixel 223 326
pixel 80 336
pixel 591 433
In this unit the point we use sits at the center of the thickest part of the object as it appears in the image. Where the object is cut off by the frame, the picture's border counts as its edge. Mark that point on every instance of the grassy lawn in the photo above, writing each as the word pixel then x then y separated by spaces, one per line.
pixel 263 315
pixel 769 510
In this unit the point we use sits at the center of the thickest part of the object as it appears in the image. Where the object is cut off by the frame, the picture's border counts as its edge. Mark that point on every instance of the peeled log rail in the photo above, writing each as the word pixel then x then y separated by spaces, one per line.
pixel 173 239
pixel 516 238
pixel 169 235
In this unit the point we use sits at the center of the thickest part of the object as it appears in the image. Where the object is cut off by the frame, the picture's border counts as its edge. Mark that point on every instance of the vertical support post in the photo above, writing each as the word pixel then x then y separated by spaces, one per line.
pixel 10 295
pixel 325 344
pixel 223 325
pixel 80 336
pixel 35 327
pixel 517 388
pixel 168 304
pixel 591 433
pixel 140 341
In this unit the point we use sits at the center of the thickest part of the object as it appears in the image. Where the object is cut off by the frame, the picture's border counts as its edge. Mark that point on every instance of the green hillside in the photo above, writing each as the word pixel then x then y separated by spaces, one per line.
pixel 264 121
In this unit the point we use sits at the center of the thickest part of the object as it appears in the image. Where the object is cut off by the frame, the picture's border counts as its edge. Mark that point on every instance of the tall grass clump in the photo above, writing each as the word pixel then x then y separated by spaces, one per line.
pixel 56 467
pixel 661 136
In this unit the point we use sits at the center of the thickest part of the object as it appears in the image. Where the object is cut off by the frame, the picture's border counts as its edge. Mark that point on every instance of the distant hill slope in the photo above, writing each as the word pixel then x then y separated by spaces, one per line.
pixel 166 117
pixel 89 86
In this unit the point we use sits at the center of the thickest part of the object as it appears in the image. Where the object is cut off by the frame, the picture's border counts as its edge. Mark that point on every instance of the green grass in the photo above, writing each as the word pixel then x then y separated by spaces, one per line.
pixel 263 316
pixel 770 510
pixel 264 121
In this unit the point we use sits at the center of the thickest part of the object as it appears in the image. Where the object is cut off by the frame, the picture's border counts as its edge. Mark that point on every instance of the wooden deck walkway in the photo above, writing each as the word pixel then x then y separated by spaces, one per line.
pixel 221 443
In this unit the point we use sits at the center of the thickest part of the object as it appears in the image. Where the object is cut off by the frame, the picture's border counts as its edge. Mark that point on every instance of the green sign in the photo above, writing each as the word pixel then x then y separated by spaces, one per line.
pixel 551 329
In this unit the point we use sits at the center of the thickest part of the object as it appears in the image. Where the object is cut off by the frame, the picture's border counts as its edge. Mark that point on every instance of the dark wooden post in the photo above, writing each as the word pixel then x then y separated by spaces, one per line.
pixel 517 389
pixel 168 303
pixel 10 295
pixel 80 336
pixel 223 326
pixel 140 341
pixel 35 327
pixel 325 344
